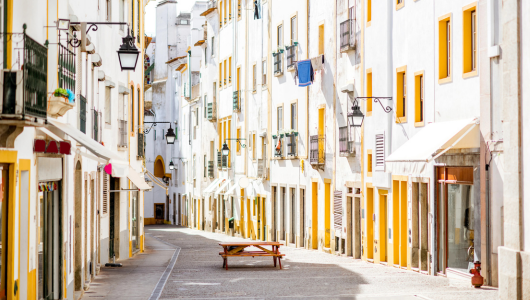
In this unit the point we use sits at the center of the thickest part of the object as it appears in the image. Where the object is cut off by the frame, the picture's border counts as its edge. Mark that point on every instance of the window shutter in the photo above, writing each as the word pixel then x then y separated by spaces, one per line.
pixel 105 192
pixel 337 210
pixel 380 151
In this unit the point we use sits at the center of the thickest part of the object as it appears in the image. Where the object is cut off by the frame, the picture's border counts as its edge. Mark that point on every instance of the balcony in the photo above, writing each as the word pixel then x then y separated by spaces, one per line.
pixel 212 5
pixel 237 101
pixel 58 106
pixel 278 71
pixel 346 142
pixel 347 35
pixel 141 145
pixel 278 141
pixel 292 140
pixel 122 133
pixel 82 114
pixel 210 169
pixel 291 57
pixel 211 111
pixel 24 90
pixel 317 156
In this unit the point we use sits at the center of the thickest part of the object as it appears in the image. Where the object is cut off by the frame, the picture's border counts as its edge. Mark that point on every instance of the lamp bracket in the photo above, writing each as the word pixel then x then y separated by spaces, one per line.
pixel 387 109
pixel 237 140
pixel 75 42
pixel 147 130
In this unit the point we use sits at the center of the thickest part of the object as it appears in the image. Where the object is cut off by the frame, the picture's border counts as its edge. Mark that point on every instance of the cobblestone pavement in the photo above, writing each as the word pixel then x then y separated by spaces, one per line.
pixel 198 274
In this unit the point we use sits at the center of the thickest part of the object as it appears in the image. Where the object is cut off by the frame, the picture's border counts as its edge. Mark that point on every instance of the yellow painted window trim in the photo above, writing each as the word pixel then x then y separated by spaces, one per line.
pixel 445 18
pixel 416 100
pixel 466 9
pixel 470 74
pixel 445 80
pixel 400 6
pixel 401 120
pixel 419 124
pixel 369 113
pixel 368 152
pixel 368 24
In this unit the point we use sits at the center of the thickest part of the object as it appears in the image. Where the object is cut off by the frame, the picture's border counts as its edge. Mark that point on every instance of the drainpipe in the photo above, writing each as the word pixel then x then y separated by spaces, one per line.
pixel 189 78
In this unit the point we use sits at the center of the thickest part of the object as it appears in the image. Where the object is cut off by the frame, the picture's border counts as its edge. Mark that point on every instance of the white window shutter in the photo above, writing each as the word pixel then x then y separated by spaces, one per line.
pixel 380 151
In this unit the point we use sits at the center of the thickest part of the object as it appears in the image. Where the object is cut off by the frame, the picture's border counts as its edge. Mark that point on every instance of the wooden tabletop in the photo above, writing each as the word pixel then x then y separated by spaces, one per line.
pixel 249 244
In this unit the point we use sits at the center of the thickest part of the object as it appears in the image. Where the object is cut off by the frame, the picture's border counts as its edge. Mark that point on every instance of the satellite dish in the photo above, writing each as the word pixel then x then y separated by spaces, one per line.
pixel 243 182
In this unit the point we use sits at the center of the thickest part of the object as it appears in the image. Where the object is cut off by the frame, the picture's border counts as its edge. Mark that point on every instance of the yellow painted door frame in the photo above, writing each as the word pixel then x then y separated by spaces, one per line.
pixel 403 248
pixel 327 212
pixel 369 223
pixel 248 219
pixel 383 217
pixel 395 222
pixel 314 212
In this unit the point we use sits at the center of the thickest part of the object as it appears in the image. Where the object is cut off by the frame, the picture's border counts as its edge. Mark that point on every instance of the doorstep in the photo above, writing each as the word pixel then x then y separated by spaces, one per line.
pixel 457 274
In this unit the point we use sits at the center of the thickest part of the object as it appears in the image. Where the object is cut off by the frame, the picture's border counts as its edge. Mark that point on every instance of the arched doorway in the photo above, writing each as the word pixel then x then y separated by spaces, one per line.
pixel 78 210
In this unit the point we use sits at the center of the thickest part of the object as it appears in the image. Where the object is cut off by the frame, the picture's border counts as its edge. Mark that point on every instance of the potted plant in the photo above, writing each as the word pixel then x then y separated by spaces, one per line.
pixel 59 92
pixel 60 102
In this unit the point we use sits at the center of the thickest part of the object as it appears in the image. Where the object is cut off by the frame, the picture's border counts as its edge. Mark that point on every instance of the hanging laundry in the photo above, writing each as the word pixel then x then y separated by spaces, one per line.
pixel 305 73
pixel 318 62
pixel 257 9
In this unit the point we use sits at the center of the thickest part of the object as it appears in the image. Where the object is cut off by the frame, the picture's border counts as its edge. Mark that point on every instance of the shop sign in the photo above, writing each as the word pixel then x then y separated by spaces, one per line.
pixel 54 147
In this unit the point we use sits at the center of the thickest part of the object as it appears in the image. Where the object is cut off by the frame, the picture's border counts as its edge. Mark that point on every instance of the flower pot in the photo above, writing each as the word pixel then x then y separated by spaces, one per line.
pixel 58 106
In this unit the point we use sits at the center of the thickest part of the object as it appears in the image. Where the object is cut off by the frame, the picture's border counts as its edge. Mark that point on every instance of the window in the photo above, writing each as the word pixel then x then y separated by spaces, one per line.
pixel 264 72
pixel 444 51
pixel 418 99
pixel 205 104
pixel 221 13
pixel 279 36
pixel 206 56
pixel 470 40
pixel 369 92
pixel 380 151
pixel 254 148
pixel 205 167
pixel 369 163
pixel 224 73
pixel 294 30
pixel 225 12
pixel 401 97
pixel 368 12
pixel 294 117
pixel 400 4
pixel 107 105
pixel 280 118
pixel 108 10
pixel 230 9
pixel 213 46
pixel 238 145
pixel 254 78
pixel 132 109
pixel 220 74
pixel 138 101
pixel 321 39
pixel 230 70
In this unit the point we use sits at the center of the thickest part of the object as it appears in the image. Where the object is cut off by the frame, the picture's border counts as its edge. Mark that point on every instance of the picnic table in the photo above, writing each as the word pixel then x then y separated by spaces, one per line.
pixel 235 249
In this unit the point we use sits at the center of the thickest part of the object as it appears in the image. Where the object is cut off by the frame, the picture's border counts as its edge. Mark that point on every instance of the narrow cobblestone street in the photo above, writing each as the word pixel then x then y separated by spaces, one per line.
pixel 198 274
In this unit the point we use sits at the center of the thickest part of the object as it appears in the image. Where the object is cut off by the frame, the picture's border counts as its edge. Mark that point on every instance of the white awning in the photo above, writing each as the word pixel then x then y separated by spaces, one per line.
pixel 212 185
pixel 137 179
pixel 221 188
pixel 120 168
pixel 232 189
pixel 431 142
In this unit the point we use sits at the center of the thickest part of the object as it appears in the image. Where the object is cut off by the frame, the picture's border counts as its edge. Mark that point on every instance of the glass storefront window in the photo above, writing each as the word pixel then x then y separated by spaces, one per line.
pixel 460 227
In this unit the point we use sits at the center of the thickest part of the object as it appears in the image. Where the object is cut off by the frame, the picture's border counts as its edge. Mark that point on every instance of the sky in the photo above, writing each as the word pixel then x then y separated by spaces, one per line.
pixel 150 14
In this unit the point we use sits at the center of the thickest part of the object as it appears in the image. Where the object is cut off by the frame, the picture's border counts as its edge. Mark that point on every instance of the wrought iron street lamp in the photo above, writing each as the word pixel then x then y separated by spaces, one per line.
pixel 170 136
pixel 356 116
pixel 225 151
pixel 128 54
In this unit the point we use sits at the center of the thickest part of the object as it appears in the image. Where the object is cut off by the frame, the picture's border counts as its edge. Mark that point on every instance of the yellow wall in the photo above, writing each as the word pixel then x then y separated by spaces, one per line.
pixel 327 212
pixel 369 223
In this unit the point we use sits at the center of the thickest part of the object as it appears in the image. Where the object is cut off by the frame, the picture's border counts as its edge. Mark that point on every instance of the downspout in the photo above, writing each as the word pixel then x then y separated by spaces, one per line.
pixel 234 88
pixel 189 104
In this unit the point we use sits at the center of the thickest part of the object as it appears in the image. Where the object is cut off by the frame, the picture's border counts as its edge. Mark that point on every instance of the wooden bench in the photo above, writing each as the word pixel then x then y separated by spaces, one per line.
pixel 239 250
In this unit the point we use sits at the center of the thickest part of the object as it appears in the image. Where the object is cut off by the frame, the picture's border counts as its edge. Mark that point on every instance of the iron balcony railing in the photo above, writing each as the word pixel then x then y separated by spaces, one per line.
pixel 24 85
pixel 210 169
pixel 237 101
pixel 82 114
pixel 317 150
pixel 66 68
pixel 291 144
pixel 122 133
pixel 211 111
pixel 278 141
pixel 219 160
pixel 291 55
pixel 141 144
pixel 95 125
pixel 347 35
pixel 277 63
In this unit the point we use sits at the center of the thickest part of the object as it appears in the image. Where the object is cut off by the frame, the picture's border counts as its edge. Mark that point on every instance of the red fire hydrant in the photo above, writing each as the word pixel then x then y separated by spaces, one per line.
pixel 477 280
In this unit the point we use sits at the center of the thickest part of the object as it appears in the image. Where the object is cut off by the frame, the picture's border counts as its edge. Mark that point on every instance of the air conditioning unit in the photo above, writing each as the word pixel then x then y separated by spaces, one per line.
pixel 12 95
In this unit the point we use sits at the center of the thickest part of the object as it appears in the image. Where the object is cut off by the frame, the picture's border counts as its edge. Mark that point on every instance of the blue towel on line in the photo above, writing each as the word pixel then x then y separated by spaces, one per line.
pixel 305 73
